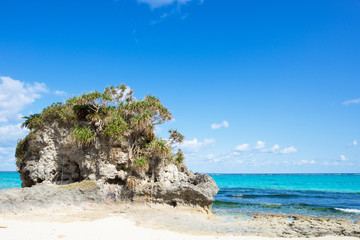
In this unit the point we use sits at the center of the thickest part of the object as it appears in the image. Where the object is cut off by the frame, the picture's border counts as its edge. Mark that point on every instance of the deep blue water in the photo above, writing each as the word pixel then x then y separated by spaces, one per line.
pixel 333 195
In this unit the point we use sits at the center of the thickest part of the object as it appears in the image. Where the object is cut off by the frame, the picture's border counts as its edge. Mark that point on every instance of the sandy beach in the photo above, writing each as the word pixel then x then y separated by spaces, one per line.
pixel 109 228
pixel 136 222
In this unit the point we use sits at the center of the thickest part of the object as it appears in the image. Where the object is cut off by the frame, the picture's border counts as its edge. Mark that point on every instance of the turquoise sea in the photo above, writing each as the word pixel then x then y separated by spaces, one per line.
pixel 10 180
pixel 321 195
pixel 318 195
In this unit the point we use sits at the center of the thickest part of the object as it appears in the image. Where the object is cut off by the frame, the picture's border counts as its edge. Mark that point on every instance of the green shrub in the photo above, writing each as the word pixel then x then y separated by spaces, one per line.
pixel 179 157
pixel 32 122
pixel 159 147
pixel 140 163
pixel 116 127
pixel 22 147
pixel 83 135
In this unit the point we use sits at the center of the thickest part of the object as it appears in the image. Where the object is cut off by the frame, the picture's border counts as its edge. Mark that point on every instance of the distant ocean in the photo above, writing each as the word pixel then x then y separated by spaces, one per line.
pixel 318 195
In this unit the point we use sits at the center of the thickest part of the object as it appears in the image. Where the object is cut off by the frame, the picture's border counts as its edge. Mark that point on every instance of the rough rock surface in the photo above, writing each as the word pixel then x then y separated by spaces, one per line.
pixel 53 157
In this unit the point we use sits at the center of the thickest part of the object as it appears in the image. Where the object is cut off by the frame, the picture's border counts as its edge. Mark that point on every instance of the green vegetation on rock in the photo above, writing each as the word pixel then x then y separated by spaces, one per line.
pixel 179 157
pixel 22 147
pixel 141 163
pixel 83 135
pixel 116 115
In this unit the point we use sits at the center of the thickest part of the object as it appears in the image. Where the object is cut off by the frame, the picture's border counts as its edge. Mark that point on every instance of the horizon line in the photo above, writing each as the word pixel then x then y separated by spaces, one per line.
pixel 329 173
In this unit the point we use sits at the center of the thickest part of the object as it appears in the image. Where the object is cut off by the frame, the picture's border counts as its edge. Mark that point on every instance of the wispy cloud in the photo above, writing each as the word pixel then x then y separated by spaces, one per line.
pixel 302 162
pixel 224 124
pixel 195 145
pixel 274 149
pixel 288 150
pixel 353 101
pixel 343 158
pixel 354 143
pixel 168 8
pixel 161 18
pixel 161 3
pixel 233 157
pixel 60 93
pixel 243 147
pixel 260 147
pixel 7 158
pixel 9 134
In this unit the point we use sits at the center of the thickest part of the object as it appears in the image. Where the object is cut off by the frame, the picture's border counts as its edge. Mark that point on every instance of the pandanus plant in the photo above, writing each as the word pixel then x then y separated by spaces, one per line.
pixel 115 114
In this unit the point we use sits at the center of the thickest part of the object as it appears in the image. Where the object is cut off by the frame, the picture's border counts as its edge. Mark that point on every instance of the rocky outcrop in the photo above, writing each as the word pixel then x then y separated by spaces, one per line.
pixel 52 156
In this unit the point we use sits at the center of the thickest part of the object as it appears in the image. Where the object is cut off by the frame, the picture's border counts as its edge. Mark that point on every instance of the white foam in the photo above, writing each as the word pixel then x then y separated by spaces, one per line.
pixel 348 210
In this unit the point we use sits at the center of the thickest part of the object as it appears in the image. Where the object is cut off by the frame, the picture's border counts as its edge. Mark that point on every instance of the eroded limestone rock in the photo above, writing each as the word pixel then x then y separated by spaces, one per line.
pixel 53 157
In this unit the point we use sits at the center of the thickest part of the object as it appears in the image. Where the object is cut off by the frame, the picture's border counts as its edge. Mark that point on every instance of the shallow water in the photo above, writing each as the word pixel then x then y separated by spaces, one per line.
pixel 331 195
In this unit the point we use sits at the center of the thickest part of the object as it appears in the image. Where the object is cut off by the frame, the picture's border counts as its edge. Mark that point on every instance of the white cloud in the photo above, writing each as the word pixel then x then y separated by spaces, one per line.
pixel 15 95
pixel 195 145
pixel 243 147
pixel 161 3
pixel 288 150
pixel 302 162
pixel 353 101
pixel 260 145
pixel 274 149
pixel 343 158
pixel 224 158
pixel 224 124
pixel 9 134
pixel 353 144
pixel 6 151
pixel 60 93
pixel 212 158
pixel 7 158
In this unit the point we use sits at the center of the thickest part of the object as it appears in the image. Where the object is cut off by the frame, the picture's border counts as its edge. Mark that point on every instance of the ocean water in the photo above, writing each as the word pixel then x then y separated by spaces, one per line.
pixel 317 195
pixel 331 195
pixel 10 180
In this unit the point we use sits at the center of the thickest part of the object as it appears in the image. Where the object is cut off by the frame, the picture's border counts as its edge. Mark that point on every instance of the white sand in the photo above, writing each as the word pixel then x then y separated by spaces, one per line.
pixel 108 228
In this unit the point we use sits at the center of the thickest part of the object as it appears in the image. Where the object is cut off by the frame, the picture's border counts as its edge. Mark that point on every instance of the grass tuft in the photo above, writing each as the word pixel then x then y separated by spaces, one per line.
pixel 83 135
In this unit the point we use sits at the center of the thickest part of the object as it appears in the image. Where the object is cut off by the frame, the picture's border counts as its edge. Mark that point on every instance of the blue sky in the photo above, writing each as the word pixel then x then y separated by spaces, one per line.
pixel 255 86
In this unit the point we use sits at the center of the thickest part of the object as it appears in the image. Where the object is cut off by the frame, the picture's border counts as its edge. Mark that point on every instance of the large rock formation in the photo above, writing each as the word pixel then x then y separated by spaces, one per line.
pixel 52 156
